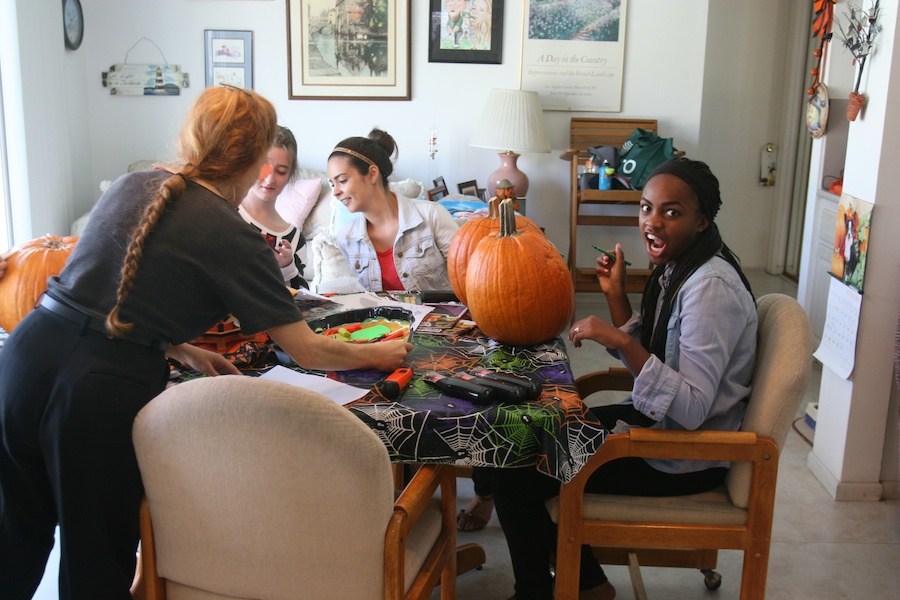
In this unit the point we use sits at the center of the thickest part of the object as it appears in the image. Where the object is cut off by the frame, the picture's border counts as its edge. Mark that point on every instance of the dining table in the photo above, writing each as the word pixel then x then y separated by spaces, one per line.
pixel 554 433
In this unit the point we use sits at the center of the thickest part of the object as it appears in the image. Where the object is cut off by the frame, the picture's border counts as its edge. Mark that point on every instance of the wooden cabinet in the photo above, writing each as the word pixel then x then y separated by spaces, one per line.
pixel 587 133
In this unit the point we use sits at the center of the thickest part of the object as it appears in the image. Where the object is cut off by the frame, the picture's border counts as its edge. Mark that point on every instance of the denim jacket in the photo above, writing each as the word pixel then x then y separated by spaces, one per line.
pixel 710 354
pixel 420 249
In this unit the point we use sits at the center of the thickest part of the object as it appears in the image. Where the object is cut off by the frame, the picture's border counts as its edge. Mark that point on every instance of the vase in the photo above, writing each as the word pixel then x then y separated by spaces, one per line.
pixel 856 103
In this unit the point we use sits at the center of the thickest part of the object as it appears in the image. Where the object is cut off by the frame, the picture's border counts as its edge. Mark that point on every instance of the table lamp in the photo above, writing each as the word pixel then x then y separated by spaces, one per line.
pixel 512 121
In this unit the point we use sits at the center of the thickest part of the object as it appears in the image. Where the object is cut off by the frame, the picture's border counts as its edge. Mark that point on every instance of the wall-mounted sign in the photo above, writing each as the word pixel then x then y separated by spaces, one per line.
pixel 145 80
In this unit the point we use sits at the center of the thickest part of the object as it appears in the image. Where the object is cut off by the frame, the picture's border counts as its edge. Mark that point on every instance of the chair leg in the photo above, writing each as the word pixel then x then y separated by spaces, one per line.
pixel 637 581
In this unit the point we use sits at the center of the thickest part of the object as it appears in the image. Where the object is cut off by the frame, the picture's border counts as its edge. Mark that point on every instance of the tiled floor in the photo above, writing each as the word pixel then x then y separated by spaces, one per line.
pixel 821 549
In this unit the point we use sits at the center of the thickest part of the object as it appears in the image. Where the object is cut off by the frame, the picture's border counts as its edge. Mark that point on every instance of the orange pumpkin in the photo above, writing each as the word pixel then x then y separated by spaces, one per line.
pixel 26 275
pixel 466 240
pixel 518 286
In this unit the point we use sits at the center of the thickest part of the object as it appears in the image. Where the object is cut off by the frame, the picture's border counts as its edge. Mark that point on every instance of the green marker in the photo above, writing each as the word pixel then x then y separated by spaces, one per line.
pixel 610 254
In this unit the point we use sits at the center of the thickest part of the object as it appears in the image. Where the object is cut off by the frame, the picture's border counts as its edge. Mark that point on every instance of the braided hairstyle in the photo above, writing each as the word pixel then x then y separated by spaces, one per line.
pixel 228 131
pixel 378 147
pixel 708 243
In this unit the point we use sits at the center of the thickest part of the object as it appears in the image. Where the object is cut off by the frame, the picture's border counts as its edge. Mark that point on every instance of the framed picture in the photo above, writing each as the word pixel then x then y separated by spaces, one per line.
pixel 229 58
pixel 573 54
pixel 340 50
pixel 469 188
pixel 439 182
pixel 435 194
pixel 466 31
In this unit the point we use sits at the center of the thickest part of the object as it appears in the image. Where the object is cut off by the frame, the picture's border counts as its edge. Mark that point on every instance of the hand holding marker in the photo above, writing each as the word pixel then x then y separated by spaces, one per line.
pixel 612 255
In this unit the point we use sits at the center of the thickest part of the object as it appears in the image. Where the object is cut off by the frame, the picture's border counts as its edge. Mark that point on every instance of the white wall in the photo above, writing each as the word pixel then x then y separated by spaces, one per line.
pixel 668 47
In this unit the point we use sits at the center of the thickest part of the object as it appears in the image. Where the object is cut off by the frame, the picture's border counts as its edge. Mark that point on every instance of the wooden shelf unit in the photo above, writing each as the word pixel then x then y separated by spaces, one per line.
pixel 587 133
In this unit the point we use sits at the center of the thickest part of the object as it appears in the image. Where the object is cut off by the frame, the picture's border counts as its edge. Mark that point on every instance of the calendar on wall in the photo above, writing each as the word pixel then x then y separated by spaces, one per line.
pixel 837 351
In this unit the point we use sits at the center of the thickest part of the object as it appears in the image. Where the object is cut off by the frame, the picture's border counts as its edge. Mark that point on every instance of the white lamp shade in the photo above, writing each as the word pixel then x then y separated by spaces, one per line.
pixel 512 120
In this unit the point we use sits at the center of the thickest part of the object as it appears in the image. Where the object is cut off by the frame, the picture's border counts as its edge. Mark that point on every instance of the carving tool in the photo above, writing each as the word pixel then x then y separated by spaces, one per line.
pixel 458 388
pixel 612 255
pixel 532 388
pixel 391 386
pixel 508 392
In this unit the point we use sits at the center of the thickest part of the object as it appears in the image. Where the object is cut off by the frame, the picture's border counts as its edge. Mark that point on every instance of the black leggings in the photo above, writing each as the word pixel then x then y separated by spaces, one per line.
pixel 520 494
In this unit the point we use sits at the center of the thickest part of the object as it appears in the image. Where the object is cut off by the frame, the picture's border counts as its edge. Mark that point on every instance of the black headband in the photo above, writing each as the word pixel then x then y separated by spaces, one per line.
pixel 700 179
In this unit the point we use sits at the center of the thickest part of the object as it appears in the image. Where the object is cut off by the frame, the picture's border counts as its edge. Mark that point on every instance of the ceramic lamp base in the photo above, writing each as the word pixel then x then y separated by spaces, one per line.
pixel 508 170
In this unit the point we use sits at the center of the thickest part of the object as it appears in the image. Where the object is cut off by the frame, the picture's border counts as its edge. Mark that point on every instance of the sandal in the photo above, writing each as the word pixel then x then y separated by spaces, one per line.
pixel 467 520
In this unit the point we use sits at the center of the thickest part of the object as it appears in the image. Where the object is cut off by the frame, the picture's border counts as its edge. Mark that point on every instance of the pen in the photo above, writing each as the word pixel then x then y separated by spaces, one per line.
pixel 610 254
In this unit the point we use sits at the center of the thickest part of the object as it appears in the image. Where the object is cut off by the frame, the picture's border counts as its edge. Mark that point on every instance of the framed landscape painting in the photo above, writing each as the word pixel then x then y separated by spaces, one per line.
pixel 341 50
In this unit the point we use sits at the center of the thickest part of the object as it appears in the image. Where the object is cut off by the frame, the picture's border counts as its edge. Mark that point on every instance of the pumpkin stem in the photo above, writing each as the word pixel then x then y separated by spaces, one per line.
pixel 493 209
pixel 507 218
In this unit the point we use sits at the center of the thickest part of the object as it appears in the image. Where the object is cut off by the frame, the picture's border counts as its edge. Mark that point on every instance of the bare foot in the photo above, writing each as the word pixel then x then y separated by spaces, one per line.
pixel 476 515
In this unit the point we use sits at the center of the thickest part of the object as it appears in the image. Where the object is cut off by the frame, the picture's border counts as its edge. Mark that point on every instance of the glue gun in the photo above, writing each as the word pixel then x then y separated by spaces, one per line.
pixel 391 386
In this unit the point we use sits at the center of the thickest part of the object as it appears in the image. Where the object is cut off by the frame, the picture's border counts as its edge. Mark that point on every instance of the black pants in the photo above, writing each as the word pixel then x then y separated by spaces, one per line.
pixel 67 403
pixel 519 496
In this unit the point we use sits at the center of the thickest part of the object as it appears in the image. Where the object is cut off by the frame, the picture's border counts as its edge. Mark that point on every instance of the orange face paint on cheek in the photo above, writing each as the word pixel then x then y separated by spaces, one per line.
pixel 265 171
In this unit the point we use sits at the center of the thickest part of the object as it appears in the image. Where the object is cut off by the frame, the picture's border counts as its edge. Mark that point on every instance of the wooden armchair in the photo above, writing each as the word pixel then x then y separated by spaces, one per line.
pixel 260 489
pixel 687 531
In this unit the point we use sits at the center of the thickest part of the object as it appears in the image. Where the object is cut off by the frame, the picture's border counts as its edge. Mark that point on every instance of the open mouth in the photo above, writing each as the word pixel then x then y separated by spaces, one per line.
pixel 655 246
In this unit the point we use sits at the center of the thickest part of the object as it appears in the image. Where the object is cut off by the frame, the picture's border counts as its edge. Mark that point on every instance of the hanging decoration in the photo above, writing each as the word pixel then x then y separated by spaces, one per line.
pixel 859 38
pixel 817 104
pixel 130 79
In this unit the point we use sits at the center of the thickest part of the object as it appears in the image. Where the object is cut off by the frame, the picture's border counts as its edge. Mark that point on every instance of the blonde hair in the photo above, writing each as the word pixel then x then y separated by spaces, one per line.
pixel 227 132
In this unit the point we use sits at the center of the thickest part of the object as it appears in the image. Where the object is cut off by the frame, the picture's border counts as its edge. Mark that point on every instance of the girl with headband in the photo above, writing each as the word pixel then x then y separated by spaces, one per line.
pixel 393 242
pixel 691 348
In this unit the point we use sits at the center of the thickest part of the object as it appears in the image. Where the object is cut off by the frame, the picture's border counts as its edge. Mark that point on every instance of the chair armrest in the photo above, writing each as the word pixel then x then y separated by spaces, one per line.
pixel 734 446
pixel 421 488
pixel 568 154
pixel 613 378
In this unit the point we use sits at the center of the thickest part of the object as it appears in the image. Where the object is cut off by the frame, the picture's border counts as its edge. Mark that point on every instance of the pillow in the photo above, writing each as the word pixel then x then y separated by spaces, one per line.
pixel 332 273
pixel 408 187
pixel 297 200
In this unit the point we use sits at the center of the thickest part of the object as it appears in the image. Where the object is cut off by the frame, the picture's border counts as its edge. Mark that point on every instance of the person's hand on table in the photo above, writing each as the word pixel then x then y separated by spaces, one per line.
pixel 391 354
pixel 202 360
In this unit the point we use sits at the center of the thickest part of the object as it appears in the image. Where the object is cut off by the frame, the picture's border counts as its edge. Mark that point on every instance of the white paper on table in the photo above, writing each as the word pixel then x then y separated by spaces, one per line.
pixel 370 300
pixel 341 393
pixel 837 350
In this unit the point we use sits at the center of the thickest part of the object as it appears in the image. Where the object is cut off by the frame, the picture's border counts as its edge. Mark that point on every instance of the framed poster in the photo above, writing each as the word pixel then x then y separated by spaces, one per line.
pixel 466 31
pixel 229 58
pixel 340 50
pixel 573 54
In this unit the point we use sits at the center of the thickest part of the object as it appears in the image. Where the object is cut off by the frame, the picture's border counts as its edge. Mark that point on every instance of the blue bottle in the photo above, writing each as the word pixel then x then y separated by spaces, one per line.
pixel 606 173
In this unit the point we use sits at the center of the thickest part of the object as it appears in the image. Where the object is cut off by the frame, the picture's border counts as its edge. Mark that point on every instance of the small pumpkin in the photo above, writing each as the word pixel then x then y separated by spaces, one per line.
pixel 518 287
pixel 466 239
pixel 26 275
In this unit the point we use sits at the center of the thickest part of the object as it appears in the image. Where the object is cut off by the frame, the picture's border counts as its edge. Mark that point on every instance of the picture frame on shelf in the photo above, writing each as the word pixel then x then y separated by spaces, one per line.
pixel 460 36
pixel 439 182
pixel 468 188
pixel 435 194
pixel 322 67
pixel 229 58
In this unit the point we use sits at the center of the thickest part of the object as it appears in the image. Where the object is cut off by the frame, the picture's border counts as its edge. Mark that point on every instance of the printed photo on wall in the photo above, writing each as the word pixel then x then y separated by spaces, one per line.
pixel 851 241
pixel 466 31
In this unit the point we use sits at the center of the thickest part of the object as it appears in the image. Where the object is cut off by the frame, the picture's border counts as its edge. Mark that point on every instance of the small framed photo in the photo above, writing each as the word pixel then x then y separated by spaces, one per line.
pixel 229 58
pixel 468 188
pixel 436 193
pixel 439 182
pixel 466 31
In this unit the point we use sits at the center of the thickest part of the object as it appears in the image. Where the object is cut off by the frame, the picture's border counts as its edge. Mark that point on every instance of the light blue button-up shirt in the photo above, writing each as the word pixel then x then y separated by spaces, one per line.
pixel 710 354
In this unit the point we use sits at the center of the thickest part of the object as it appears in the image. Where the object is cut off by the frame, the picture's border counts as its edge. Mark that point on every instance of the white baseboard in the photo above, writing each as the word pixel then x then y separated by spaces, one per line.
pixel 843 491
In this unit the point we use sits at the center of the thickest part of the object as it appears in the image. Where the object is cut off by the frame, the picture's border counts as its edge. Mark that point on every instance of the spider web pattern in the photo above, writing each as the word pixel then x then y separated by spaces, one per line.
pixel 474 442
pixel 396 425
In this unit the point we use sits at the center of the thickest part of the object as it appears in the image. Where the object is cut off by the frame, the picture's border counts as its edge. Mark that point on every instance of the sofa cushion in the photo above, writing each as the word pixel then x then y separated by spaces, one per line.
pixel 297 200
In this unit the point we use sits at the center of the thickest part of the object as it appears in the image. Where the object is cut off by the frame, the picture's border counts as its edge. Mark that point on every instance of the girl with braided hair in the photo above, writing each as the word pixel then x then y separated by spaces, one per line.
pixel 393 242
pixel 164 257
pixel 691 349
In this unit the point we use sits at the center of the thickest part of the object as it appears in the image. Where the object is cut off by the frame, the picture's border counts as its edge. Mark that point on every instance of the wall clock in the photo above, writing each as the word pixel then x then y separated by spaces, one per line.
pixel 73 23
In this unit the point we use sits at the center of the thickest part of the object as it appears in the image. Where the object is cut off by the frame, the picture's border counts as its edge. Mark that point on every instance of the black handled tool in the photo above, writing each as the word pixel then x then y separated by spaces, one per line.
pixel 507 392
pixel 391 386
pixel 458 388
pixel 532 387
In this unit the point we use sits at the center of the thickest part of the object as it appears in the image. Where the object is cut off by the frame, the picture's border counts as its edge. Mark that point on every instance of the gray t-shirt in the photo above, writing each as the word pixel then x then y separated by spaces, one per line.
pixel 201 262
